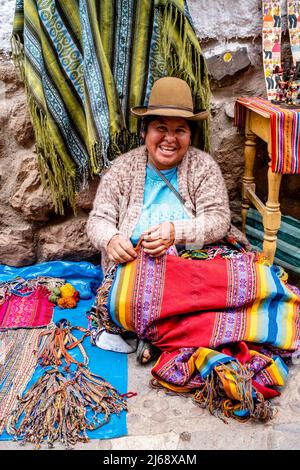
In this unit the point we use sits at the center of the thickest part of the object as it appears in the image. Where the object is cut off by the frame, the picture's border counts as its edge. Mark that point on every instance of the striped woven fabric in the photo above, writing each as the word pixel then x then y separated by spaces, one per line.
pixel 230 315
pixel 288 239
pixel 85 64
pixel 18 361
pixel 285 128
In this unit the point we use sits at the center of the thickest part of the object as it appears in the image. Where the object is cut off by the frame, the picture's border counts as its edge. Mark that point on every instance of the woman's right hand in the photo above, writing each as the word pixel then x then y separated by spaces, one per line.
pixel 120 250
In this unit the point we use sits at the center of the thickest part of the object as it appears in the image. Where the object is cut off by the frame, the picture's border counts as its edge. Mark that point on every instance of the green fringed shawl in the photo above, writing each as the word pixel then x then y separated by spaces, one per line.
pixel 85 63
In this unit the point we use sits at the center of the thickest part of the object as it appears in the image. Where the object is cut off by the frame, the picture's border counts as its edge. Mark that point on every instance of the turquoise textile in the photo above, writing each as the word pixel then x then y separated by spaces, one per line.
pixel 288 239
pixel 160 204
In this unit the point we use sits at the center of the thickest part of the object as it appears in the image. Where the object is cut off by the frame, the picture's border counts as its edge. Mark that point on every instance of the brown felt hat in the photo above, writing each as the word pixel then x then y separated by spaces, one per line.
pixel 170 96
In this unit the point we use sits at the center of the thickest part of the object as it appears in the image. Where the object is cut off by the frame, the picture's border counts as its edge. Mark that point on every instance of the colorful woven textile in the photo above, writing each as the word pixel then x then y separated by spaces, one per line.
pixel 26 309
pixel 271 44
pixel 222 324
pixel 293 15
pixel 285 128
pixel 17 365
pixel 85 64
pixel 288 239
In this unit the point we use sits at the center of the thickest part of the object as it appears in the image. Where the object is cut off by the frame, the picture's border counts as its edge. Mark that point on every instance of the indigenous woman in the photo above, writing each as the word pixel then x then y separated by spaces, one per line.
pixel 134 203
pixel 206 307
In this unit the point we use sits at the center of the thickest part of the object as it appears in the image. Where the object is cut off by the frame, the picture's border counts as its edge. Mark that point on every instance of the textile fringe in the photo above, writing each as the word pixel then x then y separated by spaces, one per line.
pixel 213 396
pixel 102 155
pixel 17 49
pixel 186 61
pixel 17 366
pixel 55 408
pixel 58 341
pixel 122 142
pixel 57 175
pixel 102 317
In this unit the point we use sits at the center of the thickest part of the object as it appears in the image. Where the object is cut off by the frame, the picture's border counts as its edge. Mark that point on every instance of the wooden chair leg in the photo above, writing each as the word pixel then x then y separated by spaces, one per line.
pixel 248 178
pixel 272 215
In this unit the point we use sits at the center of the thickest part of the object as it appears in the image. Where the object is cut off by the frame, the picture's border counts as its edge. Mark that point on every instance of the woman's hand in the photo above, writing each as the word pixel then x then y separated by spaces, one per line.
pixel 120 250
pixel 157 239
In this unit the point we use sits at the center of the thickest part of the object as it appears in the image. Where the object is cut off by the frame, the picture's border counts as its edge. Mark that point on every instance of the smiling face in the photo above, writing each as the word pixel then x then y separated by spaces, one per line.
pixel 167 140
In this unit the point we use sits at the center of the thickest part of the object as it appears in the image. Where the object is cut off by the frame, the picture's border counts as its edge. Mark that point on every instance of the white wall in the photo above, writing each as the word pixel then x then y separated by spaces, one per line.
pixel 7 8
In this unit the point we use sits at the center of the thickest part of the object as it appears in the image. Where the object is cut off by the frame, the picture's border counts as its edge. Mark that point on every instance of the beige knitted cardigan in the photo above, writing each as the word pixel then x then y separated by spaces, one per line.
pixel 119 200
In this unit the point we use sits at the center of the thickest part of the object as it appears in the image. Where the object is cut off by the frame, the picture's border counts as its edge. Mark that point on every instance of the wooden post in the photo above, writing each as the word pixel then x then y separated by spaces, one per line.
pixel 248 178
pixel 272 214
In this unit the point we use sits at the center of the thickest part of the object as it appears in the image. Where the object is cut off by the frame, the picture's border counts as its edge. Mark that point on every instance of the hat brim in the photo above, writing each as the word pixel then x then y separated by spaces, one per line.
pixel 142 111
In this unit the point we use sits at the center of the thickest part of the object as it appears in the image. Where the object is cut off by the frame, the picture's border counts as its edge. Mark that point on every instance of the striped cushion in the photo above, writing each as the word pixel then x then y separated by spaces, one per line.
pixel 288 242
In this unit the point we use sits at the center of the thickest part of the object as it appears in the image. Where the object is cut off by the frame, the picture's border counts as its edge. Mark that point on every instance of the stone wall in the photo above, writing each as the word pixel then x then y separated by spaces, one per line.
pixel 29 229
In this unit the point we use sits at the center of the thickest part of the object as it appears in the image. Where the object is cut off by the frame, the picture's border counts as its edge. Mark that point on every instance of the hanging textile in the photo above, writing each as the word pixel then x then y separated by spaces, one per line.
pixel 284 124
pixel 271 45
pixel 85 64
pixel 223 325
pixel 293 15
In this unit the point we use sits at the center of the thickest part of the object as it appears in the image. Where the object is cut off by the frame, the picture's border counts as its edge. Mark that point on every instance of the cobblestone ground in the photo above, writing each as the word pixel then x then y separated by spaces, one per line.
pixel 157 421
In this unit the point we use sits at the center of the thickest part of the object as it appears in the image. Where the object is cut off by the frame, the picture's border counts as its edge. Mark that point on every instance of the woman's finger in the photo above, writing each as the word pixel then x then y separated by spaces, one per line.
pixel 157 252
pixel 115 256
pixel 152 244
pixel 152 235
pixel 127 246
pixel 123 255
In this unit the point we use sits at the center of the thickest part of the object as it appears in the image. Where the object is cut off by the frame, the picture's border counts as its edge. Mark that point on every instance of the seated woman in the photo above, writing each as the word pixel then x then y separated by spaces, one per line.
pixel 210 319
pixel 133 202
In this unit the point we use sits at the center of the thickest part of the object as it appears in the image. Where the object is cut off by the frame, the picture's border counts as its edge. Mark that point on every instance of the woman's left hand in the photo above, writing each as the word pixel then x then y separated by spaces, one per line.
pixel 157 239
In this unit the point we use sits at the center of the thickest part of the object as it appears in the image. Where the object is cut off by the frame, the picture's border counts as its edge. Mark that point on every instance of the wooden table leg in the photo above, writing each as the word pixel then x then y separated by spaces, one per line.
pixel 248 178
pixel 272 215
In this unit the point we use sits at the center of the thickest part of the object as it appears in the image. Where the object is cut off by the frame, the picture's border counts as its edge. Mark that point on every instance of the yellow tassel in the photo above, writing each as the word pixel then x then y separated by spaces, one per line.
pixel 67 290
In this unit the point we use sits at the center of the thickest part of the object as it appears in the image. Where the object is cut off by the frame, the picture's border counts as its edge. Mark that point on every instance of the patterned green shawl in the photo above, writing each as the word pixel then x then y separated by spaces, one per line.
pixel 84 64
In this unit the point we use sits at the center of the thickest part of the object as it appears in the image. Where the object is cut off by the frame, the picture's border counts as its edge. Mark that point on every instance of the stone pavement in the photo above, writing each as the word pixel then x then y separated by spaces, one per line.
pixel 157 421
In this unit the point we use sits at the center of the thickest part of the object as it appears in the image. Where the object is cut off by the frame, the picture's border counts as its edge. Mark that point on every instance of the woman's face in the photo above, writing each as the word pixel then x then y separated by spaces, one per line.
pixel 167 140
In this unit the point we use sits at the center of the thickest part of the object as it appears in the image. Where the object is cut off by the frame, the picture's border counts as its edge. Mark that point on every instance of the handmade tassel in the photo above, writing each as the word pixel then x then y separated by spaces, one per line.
pixel 101 316
pixel 55 408
pixel 58 341
pixel 67 290
pixel 228 393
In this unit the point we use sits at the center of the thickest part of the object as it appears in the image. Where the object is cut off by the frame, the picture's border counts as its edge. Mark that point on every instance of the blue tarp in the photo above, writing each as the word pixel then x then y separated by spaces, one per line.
pixel 85 277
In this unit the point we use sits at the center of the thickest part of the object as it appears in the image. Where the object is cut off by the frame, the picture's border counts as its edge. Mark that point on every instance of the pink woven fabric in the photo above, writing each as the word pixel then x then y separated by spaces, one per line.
pixel 31 311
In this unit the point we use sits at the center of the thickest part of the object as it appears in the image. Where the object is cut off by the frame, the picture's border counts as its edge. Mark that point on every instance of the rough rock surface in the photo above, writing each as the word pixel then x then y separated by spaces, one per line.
pixel 17 244
pixel 224 71
pixel 85 198
pixel 19 122
pixel 65 239
pixel 29 196
pixel 231 158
